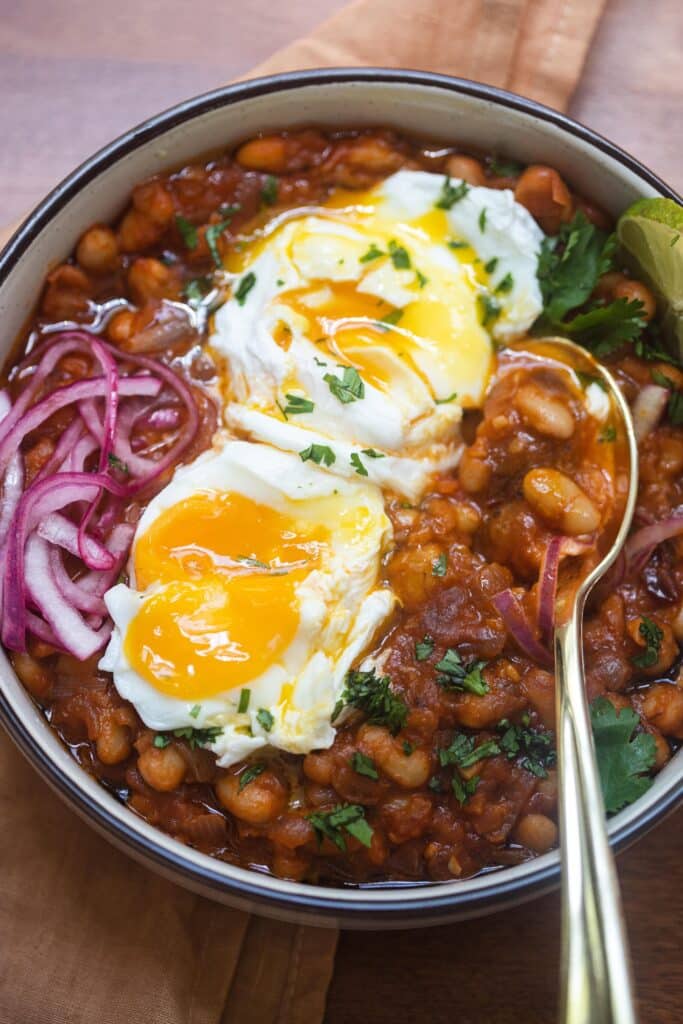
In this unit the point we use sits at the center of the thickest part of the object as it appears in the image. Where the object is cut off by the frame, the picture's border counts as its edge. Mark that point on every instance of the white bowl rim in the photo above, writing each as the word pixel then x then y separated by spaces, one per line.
pixel 410 902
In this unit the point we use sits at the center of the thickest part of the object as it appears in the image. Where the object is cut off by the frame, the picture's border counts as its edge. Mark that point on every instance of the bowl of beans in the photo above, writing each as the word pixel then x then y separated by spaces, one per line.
pixel 296 480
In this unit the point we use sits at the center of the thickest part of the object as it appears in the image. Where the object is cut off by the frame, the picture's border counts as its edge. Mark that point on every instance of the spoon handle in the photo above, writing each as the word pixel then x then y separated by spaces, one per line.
pixel 595 985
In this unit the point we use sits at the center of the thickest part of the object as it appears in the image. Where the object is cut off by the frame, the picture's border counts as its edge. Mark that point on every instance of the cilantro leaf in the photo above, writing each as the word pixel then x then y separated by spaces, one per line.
pixel 456 675
pixel 622 758
pixel 652 636
pixel 463 753
pixel 489 309
pixel 504 167
pixel 364 765
pixel 604 328
pixel 392 318
pixel 373 253
pixel 212 234
pixel 451 194
pixel 505 285
pixel 349 817
pixel 321 454
pixel 399 255
pixel 265 719
pixel 482 220
pixel 440 565
pixel 347 388
pixel 296 404
pixel 424 648
pixel 355 461
pixel 463 789
pixel 269 190
pixel 244 287
pixel 372 694
pixel 194 737
pixel 569 266
pixel 249 774
pixel 116 463
pixel 188 232
pixel 533 749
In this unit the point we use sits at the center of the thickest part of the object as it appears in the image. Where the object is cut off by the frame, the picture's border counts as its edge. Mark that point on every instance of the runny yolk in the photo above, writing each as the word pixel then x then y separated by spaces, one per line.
pixel 227 608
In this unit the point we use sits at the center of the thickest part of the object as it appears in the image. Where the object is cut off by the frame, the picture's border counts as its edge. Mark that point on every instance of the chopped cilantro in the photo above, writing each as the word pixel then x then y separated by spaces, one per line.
pixel 372 453
pixel 392 318
pixel 244 287
pixel 444 401
pixel 455 674
pixel 296 405
pixel 249 774
pixel 213 233
pixel 675 403
pixel 570 264
pixel 458 245
pixel 603 329
pixel 196 290
pixel 265 719
pixel 194 710
pixel 482 221
pixel 347 388
pixel 321 454
pixel 491 265
pixel 399 255
pixel 372 694
pixel 421 279
pixel 188 232
pixel 488 308
pixel 505 285
pixel 364 765
pixel 451 194
pixel 440 565
pixel 623 759
pixel 347 817
pixel 424 648
pixel 652 636
pixel 245 697
pixel 463 789
pixel 116 463
pixel 194 737
pixel 608 434
pixel 462 752
pixel 160 741
pixel 504 167
pixel 373 253
pixel 532 748
pixel 435 784
pixel 357 464
pixel 408 748
pixel 269 190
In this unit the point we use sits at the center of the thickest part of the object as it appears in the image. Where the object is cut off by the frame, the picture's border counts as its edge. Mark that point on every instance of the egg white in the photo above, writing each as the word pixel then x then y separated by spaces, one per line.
pixel 341 604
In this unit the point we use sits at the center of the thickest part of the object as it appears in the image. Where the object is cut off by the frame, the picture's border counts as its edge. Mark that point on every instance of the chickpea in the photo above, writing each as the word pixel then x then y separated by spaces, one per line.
pixel 121 327
pixel 67 293
pixel 561 502
pixel 162 768
pixel 593 213
pixel 668 646
pixel 263 799
pixel 319 767
pixel 137 231
pixel 662 705
pixel 268 154
pixel 546 197
pixel 467 168
pixel 97 250
pixel 536 832
pixel 545 413
pixel 154 201
pixel 114 743
pixel 638 292
pixel 607 283
pixel 474 473
pixel 151 279
pixel 290 865
pixel 662 750
pixel 410 771
pixel 33 675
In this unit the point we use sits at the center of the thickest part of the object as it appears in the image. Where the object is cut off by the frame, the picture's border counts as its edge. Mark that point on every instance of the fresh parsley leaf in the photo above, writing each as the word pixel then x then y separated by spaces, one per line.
pixel 444 401
pixel 504 167
pixel 296 405
pixel 269 190
pixel 440 565
pixel 533 749
pixel 569 266
pixel 265 719
pixel 491 265
pixel 451 194
pixel 249 774
pixel 116 463
pixel 373 253
pixel 463 789
pixel 245 697
pixel 347 817
pixel 188 232
pixel 463 753
pixel 372 694
pixel 399 255
pixel 244 287
pixel 392 318
pixel 482 221
pixel 364 765
pixel 424 648
pixel 194 710
pixel 455 674
pixel 321 454
pixel 605 328
pixel 357 464
pixel 488 308
pixel 652 636
pixel 608 434
pixel 623 759
pixel 347 388
pixel 505 285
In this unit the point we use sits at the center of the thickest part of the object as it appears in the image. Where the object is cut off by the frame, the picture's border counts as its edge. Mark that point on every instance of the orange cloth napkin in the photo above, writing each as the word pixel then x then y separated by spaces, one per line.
pixel 88 936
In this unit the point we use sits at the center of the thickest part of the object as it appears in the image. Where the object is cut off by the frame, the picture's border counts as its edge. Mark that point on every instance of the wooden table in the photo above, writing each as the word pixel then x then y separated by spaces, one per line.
pixel 74 74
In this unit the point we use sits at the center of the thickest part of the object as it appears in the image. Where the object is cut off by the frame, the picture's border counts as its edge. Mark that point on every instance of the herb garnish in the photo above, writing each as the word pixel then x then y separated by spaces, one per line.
pixel 505 285
pixel 265 719
pixel 504 167
pixel 245 697
pixel 347 388
pixel 357 464
pixel 482 220
pixel 653 636
pixel 364 765
pixel 296 405
pixel 321 454
pixel 214 232
pixel 194 737
pixel 440 564
pixel 458 245
pixel 491 265
pixel 372 694
pixel 373 253
pixel 269 190
pixel 455 674
pixel 244 287
pixel 188 232
pixel 391 318
pixel 489 308
pixel 675 404
pixel 249 774
pixel 424 648
pixel 196 290
pixel 623 759
pixel 194 710
pixel 451 194
pixel 463 789
pixel 444 401
pixel 462 752
pixel 421 279
pixel 349 817
pixel 532 748
pixel 116 463
pixel 399 255
pixel 608 434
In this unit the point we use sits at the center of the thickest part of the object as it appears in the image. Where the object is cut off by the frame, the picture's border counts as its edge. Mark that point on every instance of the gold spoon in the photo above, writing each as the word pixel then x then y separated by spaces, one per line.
pixel 595 985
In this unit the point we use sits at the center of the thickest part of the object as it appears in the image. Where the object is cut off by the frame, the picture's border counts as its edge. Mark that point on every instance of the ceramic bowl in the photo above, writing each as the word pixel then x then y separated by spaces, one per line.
pixel 438 109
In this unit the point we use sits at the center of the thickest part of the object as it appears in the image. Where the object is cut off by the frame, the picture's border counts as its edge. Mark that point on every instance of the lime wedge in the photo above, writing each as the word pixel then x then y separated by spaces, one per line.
pixel 650 233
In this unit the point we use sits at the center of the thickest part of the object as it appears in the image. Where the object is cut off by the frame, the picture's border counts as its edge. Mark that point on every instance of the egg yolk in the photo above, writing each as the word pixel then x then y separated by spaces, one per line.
pixel 228 606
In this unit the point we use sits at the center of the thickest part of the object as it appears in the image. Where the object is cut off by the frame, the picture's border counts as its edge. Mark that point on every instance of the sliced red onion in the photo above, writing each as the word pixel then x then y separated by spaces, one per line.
pixel 61 531
pixel 63 449
pixel 648 409
pixel 511 611
pixel 642 543
pixel 5 404
pixel 12 487
pixel 547 587
pixel 166 417
pixel 70 590
pixel 98 583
